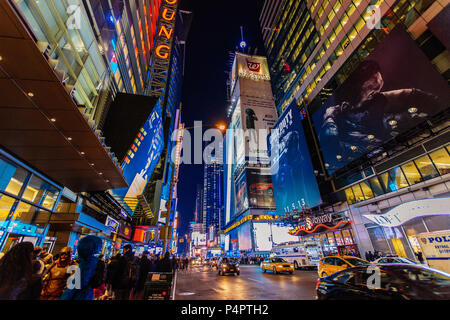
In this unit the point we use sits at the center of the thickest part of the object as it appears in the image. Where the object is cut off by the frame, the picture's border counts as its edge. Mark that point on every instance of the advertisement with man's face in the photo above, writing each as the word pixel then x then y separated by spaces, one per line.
pixel 394 89
pixel 293 177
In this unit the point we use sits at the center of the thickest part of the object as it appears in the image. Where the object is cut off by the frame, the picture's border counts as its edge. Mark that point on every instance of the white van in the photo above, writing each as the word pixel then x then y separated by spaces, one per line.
pixel 296 254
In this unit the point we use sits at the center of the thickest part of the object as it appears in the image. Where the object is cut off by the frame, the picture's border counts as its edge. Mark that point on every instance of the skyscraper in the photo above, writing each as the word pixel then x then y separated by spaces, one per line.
pixel 371 81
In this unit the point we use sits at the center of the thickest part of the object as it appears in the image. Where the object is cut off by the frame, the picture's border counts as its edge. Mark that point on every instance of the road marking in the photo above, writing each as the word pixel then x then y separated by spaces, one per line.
pixel 255 280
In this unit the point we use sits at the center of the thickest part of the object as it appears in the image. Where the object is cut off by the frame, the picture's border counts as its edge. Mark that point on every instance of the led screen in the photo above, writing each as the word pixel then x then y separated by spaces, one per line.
pixel 280 235
pixel 262 236
pixel 293 177
pixel 241 194
pixel 394 89
pixel 244 236
pixel 260 188
pixel 142 158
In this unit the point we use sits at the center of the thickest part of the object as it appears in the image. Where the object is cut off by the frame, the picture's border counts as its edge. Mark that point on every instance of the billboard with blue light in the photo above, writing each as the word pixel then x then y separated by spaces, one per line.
pixel 294 182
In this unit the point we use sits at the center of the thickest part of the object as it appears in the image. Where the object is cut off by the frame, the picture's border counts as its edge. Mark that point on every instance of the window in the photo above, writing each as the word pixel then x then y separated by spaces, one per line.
pixel 411 173
pixel 38 189
pixel 426 167
pixel 358 193
pixel 339 262
pixel 376 187
pixel 12 177
pixel 393 180
pixel 441 160
pixel 367 191
pixel 24 213
pixel 5 206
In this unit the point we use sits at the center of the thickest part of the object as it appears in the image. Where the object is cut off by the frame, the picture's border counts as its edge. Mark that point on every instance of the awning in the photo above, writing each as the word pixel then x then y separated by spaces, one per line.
pixel 40 122
pixel 68 221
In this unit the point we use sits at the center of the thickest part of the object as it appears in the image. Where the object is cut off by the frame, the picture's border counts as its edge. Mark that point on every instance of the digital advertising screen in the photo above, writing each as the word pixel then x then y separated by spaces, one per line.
pixel 241 198
pixel 280 235
pixel 293 178
pixel 260 188
pixel 244 236
pixel 142 158
pixel 262 236
pixel 394 89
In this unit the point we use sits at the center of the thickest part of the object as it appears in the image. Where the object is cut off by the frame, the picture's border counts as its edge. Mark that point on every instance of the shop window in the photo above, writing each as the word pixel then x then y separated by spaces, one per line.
pixel 347 236
pixel 426 167
pixel 339 239
pixel 5 206
pixel 350 196
pixel 413 228
pixel 367 191
pixel 393 180
pixel 411 173
pixel 37 189
pixel 12 177
pixel 378 239
pixel 358 193
pixel 24 213
pixel 437 223
pixel 441 160
pixel 375 184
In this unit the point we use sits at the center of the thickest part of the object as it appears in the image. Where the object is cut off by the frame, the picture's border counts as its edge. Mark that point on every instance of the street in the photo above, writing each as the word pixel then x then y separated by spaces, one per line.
pixel 203 283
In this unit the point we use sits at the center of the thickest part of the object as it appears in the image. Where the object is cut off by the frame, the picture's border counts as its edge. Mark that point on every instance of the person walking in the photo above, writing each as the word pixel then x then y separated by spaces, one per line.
pixel 88 272
pixel 144 268
pixel 419 256
pixel 165 264
pixel 56 275
pixel 16 270
pixel 123 272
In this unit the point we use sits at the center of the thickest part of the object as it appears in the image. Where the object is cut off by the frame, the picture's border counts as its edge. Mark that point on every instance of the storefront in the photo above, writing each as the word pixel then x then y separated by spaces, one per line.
pixel 325 235
pixel 396 230
pixel 27 201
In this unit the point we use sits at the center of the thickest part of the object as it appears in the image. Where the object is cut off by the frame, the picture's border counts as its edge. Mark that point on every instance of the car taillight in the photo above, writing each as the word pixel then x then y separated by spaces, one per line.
pixel 318 284
pixel 164 293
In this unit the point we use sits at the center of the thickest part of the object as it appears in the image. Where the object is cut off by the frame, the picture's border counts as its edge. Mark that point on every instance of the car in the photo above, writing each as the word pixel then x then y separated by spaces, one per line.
pixel 228 265
pixel 393 259
pixel 213 263
pixel 196 262
pixel 277 265
pixel 396 282
pixel 332 264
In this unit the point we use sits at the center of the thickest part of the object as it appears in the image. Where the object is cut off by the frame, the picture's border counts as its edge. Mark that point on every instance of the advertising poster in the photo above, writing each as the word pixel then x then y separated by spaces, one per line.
pixel 252 67
pixel 293 178
pixel 259 116
pixel 241 194
pixel 142 158
pixel 262 236
pixel 260 188
pixel 394 89
pixel 244 236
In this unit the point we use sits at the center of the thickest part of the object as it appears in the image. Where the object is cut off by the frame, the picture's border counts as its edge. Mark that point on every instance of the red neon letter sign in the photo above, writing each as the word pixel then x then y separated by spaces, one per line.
pixel 171 2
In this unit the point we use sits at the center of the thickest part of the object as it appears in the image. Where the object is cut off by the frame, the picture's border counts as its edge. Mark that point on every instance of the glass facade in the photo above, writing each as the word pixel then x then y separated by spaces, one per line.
pixel 415 171
pixel 26 203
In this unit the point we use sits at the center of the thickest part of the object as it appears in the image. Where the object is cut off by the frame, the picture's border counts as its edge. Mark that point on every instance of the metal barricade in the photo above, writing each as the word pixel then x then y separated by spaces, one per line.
pixel 158 286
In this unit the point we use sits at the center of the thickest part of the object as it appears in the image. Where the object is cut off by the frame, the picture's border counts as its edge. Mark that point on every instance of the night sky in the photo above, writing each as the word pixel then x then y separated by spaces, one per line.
pixel 215 32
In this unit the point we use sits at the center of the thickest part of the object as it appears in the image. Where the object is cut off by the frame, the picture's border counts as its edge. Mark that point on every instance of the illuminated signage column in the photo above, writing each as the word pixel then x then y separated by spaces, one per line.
pixel 159 70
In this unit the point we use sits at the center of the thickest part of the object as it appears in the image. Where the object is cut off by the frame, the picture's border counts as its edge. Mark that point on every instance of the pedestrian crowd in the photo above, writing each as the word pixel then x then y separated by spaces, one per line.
pixel 32 273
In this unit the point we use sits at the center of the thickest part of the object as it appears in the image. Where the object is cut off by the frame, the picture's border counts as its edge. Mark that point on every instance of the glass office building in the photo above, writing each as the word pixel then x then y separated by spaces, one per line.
pixel 316 49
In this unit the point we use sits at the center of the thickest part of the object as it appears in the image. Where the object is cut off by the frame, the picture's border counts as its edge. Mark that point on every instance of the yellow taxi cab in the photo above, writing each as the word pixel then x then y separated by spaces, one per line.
pixel 276 265
pixel 332 264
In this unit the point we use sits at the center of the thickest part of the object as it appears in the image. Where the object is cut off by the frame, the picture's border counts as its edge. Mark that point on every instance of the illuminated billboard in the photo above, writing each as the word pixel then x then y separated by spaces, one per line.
pixel 293 178
pixel 260 188
pixel 252 67
pixel 142 158
pixel 262 236
pixel 393 90
pixel 241 198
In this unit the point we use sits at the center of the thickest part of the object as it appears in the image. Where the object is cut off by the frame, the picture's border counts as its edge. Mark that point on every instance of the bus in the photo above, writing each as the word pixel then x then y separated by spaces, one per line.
pixel 296 253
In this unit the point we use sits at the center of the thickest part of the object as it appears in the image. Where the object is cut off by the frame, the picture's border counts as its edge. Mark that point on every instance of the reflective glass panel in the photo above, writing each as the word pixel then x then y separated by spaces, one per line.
pixel 11 177
pixel 441 160
pixel 411 173
pixel 426 167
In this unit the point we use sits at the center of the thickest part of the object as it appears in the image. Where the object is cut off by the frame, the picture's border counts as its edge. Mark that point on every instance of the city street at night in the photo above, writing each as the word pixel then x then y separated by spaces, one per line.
pixel 203 283
pixel 168 151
